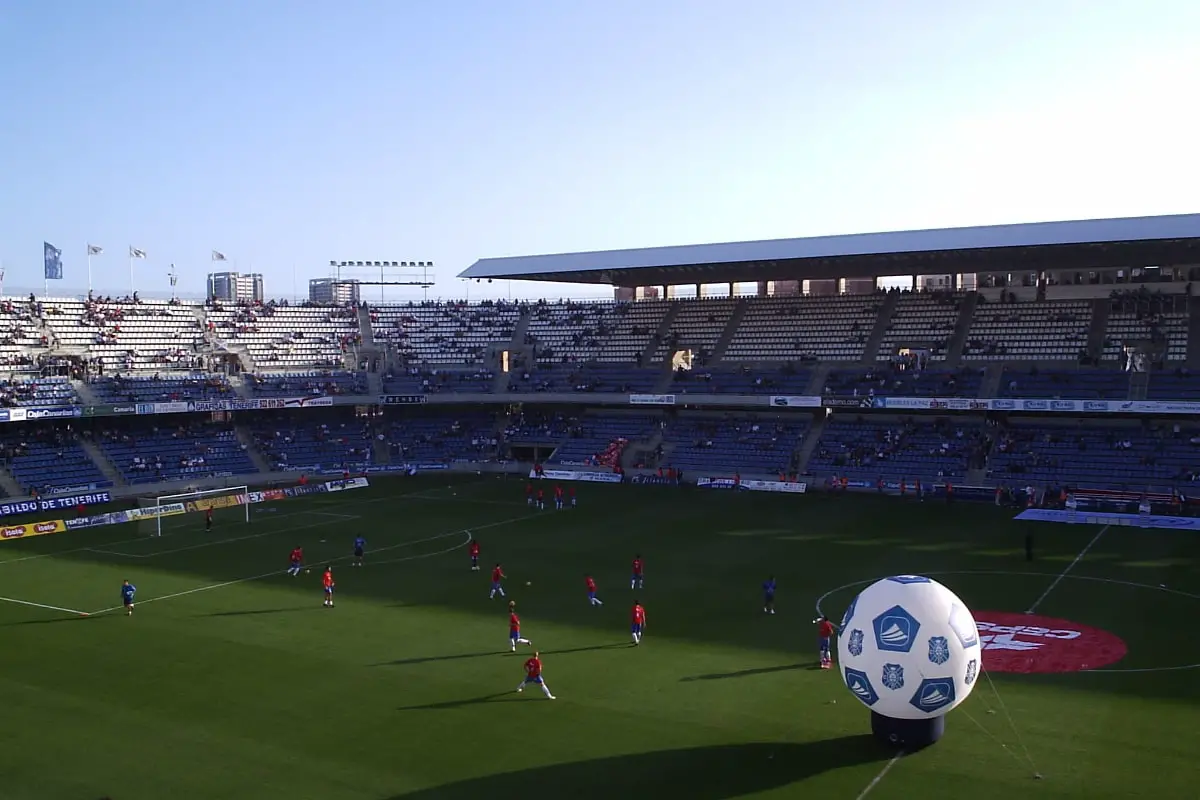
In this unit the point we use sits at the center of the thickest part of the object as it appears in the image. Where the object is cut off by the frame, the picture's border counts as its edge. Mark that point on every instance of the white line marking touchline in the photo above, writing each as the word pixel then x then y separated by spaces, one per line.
pixel 875 781
pixel 43 605
pixel 347 503
pixel 202 545
pixel 339 559
pixel 1063 574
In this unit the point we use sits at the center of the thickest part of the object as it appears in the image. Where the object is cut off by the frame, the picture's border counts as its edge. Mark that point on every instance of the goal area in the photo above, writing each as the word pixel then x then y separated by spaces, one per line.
pixel 178 513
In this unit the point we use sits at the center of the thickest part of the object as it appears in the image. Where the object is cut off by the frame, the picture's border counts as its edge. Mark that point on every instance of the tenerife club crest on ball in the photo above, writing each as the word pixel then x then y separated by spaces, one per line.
pixel 909 650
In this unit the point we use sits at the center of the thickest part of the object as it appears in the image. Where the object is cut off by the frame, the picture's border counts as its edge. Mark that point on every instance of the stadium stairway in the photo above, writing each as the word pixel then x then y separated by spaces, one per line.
pixel 246 440
pixel 1099 327
pixel 990 384
pixel 364 327
pixel 1193 340
pixel 107 468
pixel 662 332
pixel 1139 385
pixel 374 383
pixel 882 322
pixel 958 342
pixel 84 393
pixel 240 387
pixel 9 485
pixel 642 450
pixel 816 384
pixel 808 444
pixel 735 320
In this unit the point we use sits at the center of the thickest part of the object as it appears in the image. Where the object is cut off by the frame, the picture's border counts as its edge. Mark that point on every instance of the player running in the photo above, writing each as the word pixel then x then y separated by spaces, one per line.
pixel 591 590
pixel 825 631
pixel 474 556
pixel 769 595
pixel 514 628
pixel 327 581
pixel 128 590
pixel 297 561
pixel 638 623
pixel 497 576
pixel 635 582
pixel 360 547
pixel 533 674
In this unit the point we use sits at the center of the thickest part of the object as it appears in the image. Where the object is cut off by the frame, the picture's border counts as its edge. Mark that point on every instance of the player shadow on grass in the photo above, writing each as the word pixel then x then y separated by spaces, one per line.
pixel 747 673
pixel 400 662
pixel 469 701
pixel 699 773
pixel 255 611
pixel 48 620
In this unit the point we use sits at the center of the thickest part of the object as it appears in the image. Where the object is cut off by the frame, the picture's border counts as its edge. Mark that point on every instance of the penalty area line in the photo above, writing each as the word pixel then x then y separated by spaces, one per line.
pixel 74 611
pixel 875 781
pixel 340 559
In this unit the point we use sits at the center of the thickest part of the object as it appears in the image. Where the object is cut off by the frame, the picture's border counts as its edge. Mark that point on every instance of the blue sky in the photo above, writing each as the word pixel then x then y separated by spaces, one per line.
pixel 289 133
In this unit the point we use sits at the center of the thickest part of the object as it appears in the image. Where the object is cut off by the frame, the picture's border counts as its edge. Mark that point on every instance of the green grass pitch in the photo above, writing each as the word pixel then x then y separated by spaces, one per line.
pixel 232 681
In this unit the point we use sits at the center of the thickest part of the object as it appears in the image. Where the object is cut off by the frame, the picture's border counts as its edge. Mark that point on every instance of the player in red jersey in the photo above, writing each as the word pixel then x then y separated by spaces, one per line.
pixel 208 519
pixel 297 561
pixel 514 628
pixel 591 590
pixel 533 674
pixel 541 500
pixel 558 498
pixel 529 495
pixel 327 580
pixel 497 576
pixel 572 490
pixel 474 556
pixel 825 631
pixel 637 622
pixel 635 582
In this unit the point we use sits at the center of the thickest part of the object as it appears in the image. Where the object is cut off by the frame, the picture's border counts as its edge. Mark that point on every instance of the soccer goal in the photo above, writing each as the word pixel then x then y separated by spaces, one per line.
pixel 177 513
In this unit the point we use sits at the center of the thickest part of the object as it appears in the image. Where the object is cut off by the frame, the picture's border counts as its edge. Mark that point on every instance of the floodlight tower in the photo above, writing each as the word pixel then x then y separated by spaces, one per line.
pixel 391 273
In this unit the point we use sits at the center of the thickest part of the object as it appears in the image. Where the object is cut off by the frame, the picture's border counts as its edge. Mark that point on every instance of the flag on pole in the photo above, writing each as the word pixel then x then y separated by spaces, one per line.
pixel 217 255
pixel 53 259
pixel 136 253
pixel 95 250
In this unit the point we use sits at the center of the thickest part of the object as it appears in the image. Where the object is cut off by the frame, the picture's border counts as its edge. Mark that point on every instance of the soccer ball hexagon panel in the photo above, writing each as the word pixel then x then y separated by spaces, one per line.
pixel 909 648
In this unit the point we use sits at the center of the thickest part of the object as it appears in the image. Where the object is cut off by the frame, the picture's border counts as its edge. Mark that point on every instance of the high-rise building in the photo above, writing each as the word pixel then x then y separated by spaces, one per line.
pixel 234 287
pixel 333 291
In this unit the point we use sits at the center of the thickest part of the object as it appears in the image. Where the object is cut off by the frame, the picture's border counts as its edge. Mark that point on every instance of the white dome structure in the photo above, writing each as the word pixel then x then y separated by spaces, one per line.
pixel 909 650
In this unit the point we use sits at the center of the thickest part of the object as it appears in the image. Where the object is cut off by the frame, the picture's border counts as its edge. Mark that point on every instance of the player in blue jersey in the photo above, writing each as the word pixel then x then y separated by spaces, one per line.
pixel 360 546
pixel 128 590
pixel 769 595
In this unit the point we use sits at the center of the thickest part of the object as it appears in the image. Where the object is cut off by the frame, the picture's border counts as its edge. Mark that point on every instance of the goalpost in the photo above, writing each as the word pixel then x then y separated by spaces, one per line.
pixel 176 513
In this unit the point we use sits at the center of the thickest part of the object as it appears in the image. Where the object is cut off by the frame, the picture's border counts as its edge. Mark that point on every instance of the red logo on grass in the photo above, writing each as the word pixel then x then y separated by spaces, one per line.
pixel 1029 643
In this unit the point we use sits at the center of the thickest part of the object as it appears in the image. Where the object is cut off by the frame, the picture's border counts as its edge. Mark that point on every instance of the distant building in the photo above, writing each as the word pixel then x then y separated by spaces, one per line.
pixel 233 287
pixel 333 291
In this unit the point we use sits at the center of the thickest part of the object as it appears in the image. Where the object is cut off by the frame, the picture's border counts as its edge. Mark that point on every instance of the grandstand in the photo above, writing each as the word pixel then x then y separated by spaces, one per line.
pixel 1011 320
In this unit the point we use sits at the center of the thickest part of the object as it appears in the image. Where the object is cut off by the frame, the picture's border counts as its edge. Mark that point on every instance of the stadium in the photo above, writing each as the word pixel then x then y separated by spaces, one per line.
pixel 1020 423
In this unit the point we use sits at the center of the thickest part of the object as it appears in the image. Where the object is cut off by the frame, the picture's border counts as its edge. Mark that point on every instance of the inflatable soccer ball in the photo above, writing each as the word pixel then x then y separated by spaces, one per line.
pixel 909 648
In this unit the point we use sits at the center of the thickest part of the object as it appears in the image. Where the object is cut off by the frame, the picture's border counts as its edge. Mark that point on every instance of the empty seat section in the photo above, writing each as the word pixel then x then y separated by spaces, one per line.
pixel 833 328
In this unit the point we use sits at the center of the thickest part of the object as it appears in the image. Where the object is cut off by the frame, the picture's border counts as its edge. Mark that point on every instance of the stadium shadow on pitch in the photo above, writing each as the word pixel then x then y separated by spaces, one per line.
pixel 700 773
pixel 748 673
pixel 50 620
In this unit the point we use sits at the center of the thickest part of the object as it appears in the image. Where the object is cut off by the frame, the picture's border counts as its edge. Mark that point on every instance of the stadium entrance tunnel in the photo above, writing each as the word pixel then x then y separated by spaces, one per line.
pixel 699 773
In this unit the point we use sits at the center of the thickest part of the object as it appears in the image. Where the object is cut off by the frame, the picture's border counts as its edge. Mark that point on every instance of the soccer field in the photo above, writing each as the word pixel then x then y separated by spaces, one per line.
pixel 232 681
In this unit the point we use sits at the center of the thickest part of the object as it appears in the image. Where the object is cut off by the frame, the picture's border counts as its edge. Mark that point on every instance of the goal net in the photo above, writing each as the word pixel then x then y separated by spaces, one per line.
pixel 177 513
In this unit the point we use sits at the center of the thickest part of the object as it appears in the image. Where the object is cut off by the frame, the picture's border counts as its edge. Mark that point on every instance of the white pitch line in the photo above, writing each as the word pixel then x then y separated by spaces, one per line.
pixel 1070 566
pixel 875 781
pixel 285 515
pixel 336 560
pixel 43 605
pixel 246 538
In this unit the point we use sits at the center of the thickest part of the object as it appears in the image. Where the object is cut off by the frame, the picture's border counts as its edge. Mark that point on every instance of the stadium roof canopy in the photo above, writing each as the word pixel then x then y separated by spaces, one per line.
pixel 1081 244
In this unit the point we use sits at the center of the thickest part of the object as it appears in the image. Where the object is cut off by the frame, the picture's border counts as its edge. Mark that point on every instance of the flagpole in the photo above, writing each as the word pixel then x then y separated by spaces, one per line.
pixel 89 269
pixel 131 289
